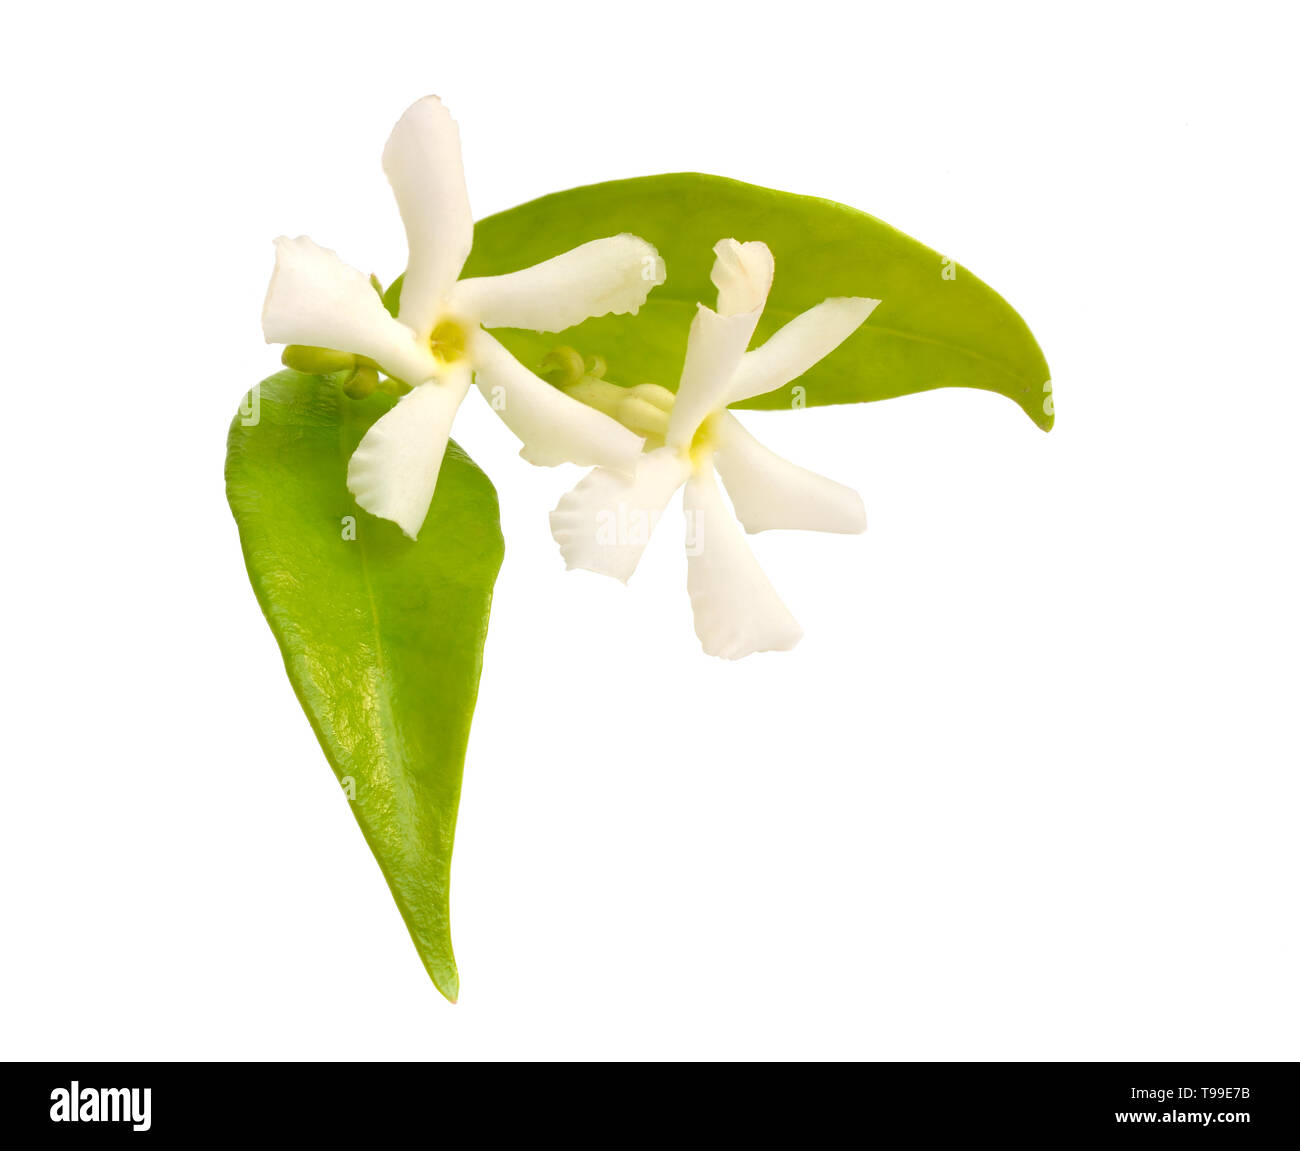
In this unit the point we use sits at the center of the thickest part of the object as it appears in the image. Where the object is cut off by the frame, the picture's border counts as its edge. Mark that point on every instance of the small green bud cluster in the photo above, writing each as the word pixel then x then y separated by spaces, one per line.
pixel 642 408
pixel 361 374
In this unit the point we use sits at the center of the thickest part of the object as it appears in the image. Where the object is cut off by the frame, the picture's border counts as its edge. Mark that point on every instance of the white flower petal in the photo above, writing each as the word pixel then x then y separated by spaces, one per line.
pixel 713 351
pixel 604 524
pixel 792 350
pixel 613 275
pixel 737 612
pixel 770 492
pixel 742 273
pixel 554 428
pixel 315 298
pixel 394 470
pixel 423 164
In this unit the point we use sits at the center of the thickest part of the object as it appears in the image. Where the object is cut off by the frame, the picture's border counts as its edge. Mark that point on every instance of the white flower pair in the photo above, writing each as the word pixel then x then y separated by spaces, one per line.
pixel 437 345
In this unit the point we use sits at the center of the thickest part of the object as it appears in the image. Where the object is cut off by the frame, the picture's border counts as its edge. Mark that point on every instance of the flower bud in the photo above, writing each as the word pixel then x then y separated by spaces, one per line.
pixel 316 361
pixel 361 383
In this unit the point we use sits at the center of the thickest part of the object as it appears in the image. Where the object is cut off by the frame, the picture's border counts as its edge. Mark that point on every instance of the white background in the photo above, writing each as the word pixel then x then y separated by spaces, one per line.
pixel 1028 788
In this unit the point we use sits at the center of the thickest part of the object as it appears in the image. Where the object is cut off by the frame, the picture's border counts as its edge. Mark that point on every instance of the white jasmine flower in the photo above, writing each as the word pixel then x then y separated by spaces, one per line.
pixel 604 523
pixel 436 343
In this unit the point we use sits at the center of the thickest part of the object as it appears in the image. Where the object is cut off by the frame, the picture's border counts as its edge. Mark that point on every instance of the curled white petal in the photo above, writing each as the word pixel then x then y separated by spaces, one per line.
pixel 737 612
pixel 742 273
pixel 604 524
pixel 394 471
pixel 423 163
pixel 554 428
pixel 770 492
pixel 613 275
pixel 713 351
pixel 315 298
pixel 792 350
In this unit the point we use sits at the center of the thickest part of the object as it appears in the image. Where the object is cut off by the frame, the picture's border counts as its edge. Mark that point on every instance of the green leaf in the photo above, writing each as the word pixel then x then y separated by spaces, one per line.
pixel 382 637
pixel 928 332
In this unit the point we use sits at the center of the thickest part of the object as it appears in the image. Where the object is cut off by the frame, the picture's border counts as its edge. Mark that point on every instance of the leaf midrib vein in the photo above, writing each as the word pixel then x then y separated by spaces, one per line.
pixel 385 702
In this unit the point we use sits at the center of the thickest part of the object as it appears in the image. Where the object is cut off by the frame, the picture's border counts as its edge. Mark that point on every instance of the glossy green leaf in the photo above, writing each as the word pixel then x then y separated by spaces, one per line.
pixel 382 637
pixel 937 324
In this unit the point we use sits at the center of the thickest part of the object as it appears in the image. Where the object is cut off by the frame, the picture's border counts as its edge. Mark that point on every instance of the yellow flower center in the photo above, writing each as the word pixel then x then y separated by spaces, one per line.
pixel 448 341
pixel 705 439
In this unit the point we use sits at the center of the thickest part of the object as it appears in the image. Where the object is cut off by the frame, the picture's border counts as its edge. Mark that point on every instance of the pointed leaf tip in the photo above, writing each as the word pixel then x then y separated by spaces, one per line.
pixel 382 637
